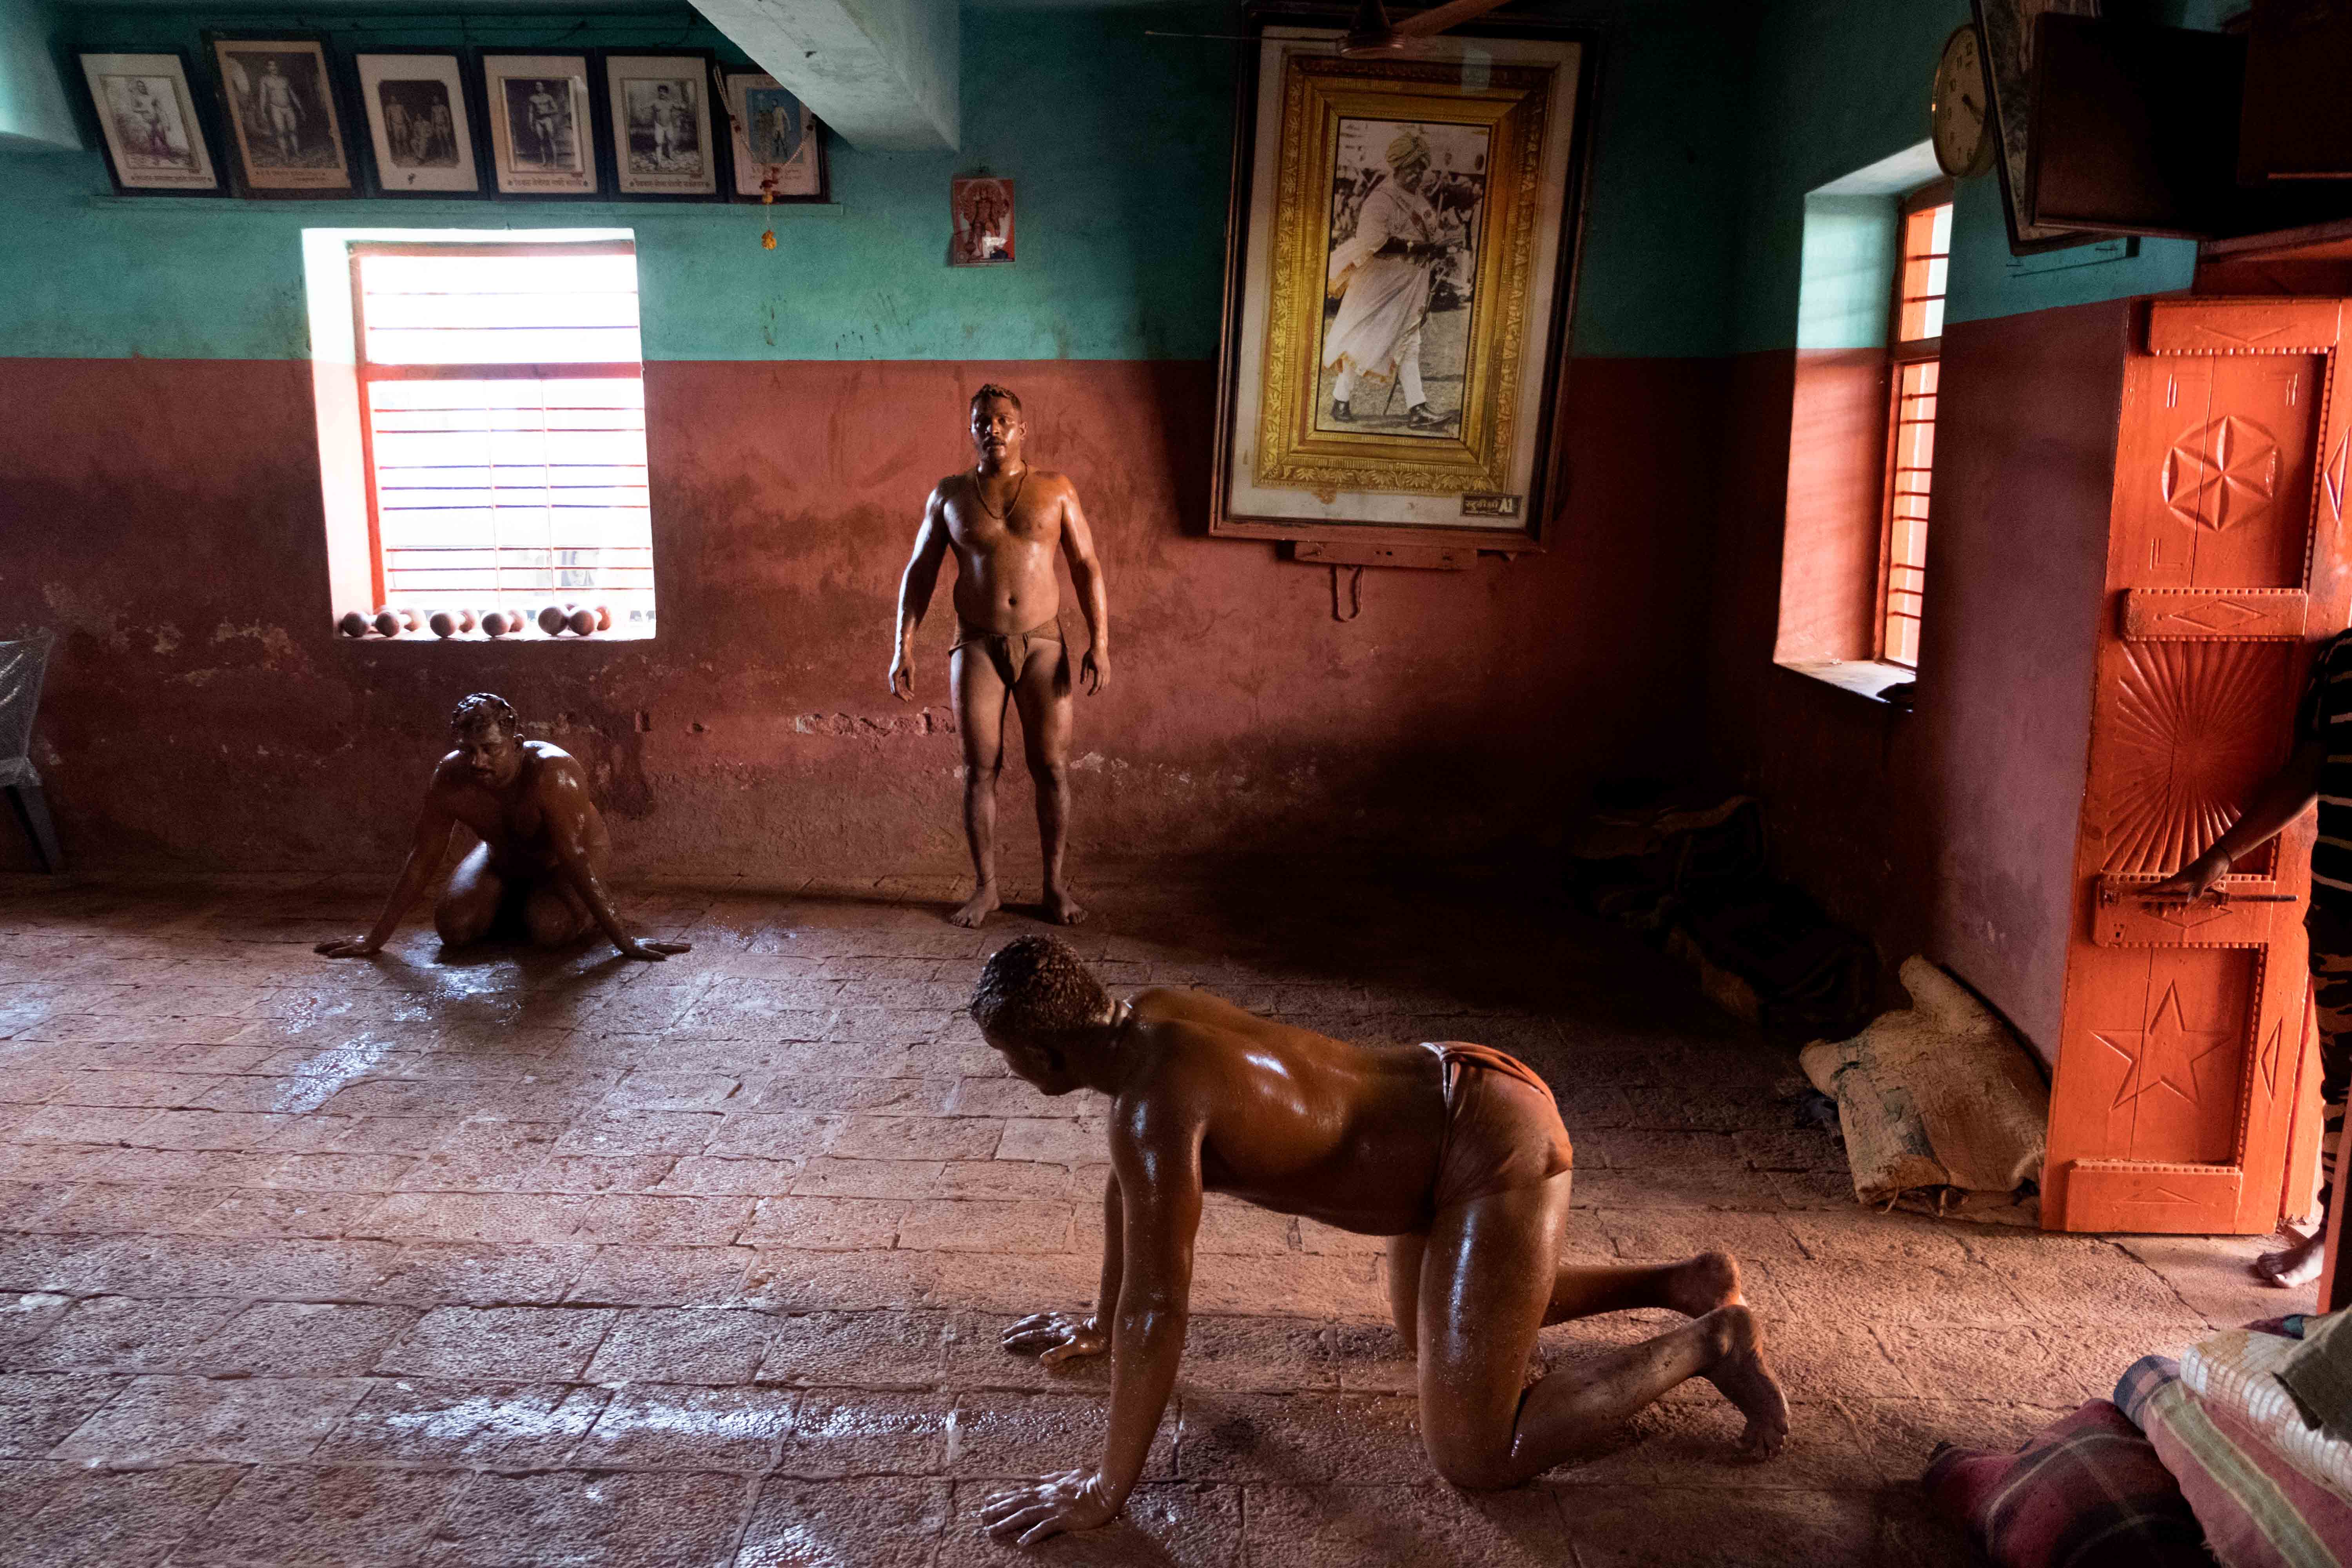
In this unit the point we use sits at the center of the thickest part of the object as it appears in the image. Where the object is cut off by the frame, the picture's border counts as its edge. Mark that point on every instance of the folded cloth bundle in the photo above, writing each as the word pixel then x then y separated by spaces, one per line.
pixel 2318 1373
pixel 2238 1370
pixel 2257 1510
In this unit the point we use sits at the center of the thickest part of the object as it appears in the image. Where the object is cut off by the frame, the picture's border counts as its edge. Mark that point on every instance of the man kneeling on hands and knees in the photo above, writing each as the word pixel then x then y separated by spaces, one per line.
pixel 539 871
pixel 1455 1153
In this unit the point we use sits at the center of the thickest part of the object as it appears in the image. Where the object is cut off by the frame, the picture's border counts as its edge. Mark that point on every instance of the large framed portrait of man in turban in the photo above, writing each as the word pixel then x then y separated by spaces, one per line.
pixel 1402 253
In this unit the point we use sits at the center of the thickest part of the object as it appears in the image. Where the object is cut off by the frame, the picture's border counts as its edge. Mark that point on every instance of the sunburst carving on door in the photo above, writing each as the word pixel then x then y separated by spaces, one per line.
pixel 2223 475
pixel 2181 757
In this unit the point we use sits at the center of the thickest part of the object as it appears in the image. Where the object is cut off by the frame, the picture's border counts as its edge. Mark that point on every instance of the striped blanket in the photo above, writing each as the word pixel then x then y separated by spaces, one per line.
pixel 2257 1509
pixel 2238 1372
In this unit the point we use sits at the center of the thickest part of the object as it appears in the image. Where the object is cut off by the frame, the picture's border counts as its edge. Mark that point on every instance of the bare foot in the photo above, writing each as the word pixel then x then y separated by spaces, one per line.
pixel 1747 1381
pixel 1062 909
pixel 977 907
pixel 1702 1284
pixel 2298 1264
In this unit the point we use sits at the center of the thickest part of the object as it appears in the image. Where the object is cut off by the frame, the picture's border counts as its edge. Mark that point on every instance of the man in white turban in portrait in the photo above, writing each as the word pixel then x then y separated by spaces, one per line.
pixel 1381 278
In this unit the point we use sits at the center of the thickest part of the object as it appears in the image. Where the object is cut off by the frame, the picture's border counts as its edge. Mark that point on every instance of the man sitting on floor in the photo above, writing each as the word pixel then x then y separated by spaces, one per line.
pixel 1456 1152
pixel 539 871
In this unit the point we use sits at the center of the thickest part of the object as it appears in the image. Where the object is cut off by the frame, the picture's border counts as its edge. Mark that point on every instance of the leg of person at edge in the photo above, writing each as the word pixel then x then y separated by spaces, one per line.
pixel 1383 278
pixel 1453 1151
pixel 539 871
pixel 2319 769
pixel 1003 520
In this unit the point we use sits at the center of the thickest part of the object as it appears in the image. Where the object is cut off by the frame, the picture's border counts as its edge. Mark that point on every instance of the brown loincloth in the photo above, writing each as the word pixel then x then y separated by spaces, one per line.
pixel 1010 652
pixel 1502 1125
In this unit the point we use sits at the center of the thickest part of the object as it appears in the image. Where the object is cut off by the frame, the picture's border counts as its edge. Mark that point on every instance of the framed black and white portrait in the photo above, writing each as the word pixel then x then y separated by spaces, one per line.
pixel 147 124
pixel 422 125
pixel 1403 273
pixel 284 114
pixel 779 151
pixel 543 125
pixel 663 133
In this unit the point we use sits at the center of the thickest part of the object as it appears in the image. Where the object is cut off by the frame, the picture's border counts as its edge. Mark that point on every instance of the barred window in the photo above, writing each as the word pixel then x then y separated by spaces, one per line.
pixel 502 409
pixel 1920 276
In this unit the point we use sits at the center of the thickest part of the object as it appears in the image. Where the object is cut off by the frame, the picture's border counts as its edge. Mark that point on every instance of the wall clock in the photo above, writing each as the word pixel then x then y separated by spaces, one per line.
pixel 1959 109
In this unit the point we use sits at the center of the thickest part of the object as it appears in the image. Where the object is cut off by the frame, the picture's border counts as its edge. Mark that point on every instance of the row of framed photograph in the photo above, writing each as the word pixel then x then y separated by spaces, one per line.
pixel 649 126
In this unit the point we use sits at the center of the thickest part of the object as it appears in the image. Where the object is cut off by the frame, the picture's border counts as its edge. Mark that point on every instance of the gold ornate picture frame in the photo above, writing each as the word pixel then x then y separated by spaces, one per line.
pixel 1400 267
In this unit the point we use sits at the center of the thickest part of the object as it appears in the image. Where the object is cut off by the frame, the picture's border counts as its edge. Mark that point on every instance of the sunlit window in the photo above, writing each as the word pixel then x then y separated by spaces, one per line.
pixel 1919 283
pixel 502 400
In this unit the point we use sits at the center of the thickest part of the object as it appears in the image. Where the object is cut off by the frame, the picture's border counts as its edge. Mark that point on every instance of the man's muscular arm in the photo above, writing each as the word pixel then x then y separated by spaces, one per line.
pixel 1086 576
pixel 915 587
pixel 564 799
pixel 2283 796
pixel 1156 1161
pixel 1058 1337
pixel 416 872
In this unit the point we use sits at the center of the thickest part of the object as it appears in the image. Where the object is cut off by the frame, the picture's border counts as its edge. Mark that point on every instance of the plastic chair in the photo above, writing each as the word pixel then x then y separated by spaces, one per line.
pixel 22 664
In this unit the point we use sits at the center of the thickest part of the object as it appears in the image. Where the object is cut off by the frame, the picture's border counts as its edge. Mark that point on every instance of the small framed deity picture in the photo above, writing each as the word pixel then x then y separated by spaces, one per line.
pixel 285 117
pixel 421 124
pixel 980 208
pixel 543 125
pixel 665 141
pixel 778 150
pixel 147 116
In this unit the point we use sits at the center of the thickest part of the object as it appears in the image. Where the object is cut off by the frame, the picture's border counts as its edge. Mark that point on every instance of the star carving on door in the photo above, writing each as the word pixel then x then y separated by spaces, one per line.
pixel 2163 1055
pixel 2221 475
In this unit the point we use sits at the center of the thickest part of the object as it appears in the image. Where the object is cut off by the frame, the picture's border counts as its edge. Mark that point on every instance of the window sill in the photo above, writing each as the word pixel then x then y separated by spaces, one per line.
pixel 479 639
pixel 1867 677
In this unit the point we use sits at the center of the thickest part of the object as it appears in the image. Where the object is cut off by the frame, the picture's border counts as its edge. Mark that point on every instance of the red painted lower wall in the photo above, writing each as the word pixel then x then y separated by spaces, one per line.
pixel 1949 830
pixel 164 517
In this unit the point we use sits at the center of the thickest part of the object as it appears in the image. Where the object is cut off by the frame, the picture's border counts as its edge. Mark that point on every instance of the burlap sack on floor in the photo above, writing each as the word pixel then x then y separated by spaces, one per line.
pixel 1938 1095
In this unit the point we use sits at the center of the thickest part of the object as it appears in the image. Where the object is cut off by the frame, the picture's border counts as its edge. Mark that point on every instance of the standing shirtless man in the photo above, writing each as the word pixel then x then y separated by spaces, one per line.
pixel 539 867
pixel 281 111
pixel 1453 1151
pixel 1004 520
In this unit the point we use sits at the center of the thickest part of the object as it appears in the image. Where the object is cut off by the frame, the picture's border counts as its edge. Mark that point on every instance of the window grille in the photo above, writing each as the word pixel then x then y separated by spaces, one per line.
pixel 1915 361
pixel 502 407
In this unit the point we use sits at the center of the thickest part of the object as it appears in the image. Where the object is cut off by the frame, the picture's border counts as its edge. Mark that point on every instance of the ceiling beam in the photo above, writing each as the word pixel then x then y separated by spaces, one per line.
pixel 881 73
pixel 34 109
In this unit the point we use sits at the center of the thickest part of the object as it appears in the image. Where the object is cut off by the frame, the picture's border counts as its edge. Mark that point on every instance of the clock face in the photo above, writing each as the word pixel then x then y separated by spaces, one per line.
pixel 1960 111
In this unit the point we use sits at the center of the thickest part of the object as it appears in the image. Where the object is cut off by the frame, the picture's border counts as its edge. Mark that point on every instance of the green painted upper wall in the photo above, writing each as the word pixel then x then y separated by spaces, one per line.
pixel 1837 85
pixel 1120 146
pixel 1113 161
pixel 1716 119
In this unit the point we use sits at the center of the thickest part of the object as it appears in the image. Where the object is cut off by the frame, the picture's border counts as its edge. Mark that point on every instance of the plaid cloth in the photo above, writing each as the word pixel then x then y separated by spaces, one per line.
pixel 2139 1382
pixel 2087 1492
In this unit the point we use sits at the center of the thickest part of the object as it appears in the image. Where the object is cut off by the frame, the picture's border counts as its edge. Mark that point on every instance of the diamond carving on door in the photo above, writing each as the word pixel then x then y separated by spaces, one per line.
pixel 2181 1050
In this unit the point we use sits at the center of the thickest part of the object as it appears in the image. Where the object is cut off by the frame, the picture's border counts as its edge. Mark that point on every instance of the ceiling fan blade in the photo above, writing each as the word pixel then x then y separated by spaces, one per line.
pixel 1437 18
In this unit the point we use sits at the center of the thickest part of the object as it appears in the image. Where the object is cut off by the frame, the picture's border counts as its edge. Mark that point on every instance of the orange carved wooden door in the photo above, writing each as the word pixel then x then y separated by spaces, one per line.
pixel 2183 1039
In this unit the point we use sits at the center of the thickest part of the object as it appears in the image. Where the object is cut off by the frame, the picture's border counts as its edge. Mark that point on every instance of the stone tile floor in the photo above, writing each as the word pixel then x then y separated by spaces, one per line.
pixel 525 1259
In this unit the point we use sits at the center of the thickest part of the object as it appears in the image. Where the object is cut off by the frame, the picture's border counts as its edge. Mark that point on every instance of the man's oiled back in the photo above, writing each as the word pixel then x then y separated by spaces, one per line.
pixel 1291 1119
